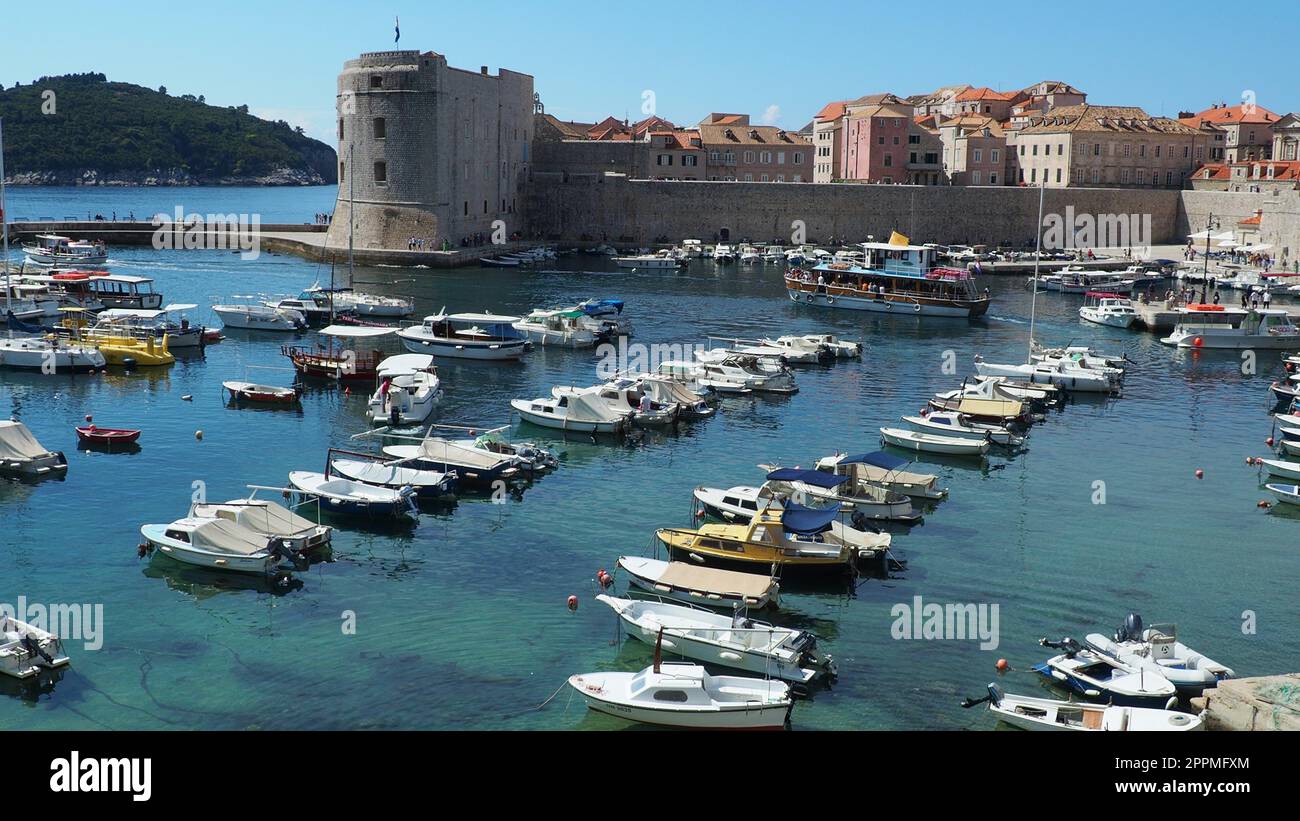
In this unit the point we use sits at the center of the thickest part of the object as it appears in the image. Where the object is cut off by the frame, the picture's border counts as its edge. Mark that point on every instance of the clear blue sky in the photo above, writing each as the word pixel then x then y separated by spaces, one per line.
pixel 779 60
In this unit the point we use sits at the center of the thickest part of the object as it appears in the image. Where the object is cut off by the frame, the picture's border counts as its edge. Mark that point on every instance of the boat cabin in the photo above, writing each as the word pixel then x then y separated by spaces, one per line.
pixel 121 291
pixel 895 269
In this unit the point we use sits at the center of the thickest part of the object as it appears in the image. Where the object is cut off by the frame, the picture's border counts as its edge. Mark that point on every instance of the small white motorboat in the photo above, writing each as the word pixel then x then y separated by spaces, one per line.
pixel 822 488
pixel 1106 678
pixel 728 640
pixel 583 412
pixel 692 376
pixel 359 303
pixel 561 327
pixel 1041 373
pixel 1030 713
pixel 841 348
pixel 1157 649
pixel 930 443
pixel 787 349
pixel 1279 467
pixel 466 336
pixel 697 584
pixel 658 261
pixel 664 391
pixel 22 455
pixel 624 395
pixel 1110 309
pixel 676 694
pixel 27 651
pixel 951 423
pixel 753 372
pixel 218 544
pixel 270 520
pixel 407 391
pixel 347 497
pixel 260 318
pixel 1262 328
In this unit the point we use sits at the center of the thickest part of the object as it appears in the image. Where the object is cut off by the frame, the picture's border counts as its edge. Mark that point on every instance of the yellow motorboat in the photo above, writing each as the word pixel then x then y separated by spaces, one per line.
pixel 779 537
pixel 131 351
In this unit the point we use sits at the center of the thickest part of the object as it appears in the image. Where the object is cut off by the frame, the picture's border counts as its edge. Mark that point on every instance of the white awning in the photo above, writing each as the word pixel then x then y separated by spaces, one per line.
pixel 356 331
pixel 404 364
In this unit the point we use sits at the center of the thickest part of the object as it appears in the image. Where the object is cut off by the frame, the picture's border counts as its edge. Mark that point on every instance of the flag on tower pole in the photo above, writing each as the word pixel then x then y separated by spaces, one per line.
pixel 397 29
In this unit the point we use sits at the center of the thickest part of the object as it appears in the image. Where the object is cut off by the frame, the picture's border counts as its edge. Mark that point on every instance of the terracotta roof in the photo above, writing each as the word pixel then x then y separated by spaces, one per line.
pixel 1051 87
pixel 1227 115
pixel 973 122
pixel 984 93
pixel 892 110
pixel 1103 118
pixel 832 111
pixel 679 138
pixel 571 130
pixel 1217 171
pixel 1255 220
pixel 1282 170
pixel 716 134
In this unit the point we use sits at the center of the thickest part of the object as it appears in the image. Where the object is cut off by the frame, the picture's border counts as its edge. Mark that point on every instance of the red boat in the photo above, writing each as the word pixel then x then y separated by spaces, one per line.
pixel 95 435
pixel 271 394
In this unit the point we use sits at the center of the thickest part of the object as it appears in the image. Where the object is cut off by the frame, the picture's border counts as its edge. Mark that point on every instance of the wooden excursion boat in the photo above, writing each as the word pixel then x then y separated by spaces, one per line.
pixel 333 360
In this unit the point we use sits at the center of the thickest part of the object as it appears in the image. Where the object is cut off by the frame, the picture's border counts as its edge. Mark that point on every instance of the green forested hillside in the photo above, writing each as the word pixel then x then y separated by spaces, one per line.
pixel 120 131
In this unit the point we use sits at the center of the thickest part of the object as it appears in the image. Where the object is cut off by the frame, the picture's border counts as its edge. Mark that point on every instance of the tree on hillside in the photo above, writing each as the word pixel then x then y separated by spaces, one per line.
pixel 162 89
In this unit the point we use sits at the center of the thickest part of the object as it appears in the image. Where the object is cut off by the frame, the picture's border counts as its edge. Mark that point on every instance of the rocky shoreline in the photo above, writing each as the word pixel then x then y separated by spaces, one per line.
pixel 160 177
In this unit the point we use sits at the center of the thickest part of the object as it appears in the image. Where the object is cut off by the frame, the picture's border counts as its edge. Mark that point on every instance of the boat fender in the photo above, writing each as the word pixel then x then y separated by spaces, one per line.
pixel 1171 703
pixel 918 308
pixel 729 656
pixel 572 603
pixel 830 300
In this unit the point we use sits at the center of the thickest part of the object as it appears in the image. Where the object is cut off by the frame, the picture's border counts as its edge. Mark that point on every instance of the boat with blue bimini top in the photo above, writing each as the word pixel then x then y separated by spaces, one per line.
pixel 1096 675
pixel 894 277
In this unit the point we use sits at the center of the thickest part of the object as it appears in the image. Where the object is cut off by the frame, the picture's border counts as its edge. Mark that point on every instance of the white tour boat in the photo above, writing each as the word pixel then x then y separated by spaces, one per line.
pixel 1110 309
pixel 260 318
pixel 466 336
pixel 1262 328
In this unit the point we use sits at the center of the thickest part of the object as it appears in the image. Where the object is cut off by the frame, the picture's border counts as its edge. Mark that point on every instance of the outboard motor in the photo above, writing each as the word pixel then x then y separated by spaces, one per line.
pixel 1067 645
pixel 1130 630
pixel 32 647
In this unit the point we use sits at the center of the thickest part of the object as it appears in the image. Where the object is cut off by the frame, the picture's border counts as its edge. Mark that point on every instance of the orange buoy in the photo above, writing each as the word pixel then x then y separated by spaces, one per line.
pixel 573 602
pixel 1200 474
pixel 89 417
pixel 1002 665
pixel 1269 441
pixel 1264 503
pixel 1250 460
pixel 1197 342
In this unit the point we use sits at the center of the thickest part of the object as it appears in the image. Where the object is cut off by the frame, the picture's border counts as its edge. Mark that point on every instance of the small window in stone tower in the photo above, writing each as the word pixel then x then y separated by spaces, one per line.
pixel 376 81
pixel 340 129
pixel 381 128
pixel 340 171
pixel 381 173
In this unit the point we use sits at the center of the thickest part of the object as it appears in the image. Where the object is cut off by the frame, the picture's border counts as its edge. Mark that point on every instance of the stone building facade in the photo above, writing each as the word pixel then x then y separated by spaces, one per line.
pixel 736 151
pixel 429 151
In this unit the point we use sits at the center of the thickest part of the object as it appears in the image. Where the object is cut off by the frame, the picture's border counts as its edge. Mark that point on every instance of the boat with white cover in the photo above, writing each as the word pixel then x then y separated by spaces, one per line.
pixel 473 465
pixel 162 322
pixel 560 327
pixel 885 470
pixel 43 353
pixel 794 350
pixel 676 694
pixel 582 412
pixel 22 455
pixel 1065 378
pixel 755 373
pixel 930 443
pixel 466 336
pixel 651 261
pixel 609 313
pixel 665 391
pixel 393 475
pixel 622 395
pixel 842 349
pixel 697 584
pixel 693 377
pixel 1157 649
pixel 408 390
pixel 1032 713
pixel 271 520
pixel 218 544
pixel 260 318
pixel 821 488
pixel 27 651
pixel 733 640
pixel 1098 676
pixel 346 300
pixel 346 497
pixel 1286 494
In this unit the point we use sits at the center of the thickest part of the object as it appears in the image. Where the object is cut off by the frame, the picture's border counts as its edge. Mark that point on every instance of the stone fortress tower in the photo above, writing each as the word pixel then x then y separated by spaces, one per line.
pixel 437 152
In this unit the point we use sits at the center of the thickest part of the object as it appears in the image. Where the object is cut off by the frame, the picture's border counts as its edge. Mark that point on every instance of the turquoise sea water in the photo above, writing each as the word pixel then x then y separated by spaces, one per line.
pixel 273 205
pixel 461 620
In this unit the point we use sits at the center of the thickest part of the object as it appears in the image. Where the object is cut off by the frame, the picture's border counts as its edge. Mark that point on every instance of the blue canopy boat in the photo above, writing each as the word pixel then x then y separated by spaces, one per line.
pixel 887 471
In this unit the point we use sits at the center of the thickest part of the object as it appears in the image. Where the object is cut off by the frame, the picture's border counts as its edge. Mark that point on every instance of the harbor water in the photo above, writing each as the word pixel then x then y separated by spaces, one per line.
pixel 461 621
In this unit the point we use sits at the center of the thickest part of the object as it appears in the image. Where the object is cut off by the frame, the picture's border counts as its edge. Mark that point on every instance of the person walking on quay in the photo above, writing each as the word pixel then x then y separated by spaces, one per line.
pixel 1268 296
pixel 1216 296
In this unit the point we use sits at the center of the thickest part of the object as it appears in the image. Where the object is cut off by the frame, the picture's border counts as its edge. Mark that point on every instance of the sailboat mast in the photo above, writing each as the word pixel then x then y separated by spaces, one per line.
pixel 1038 248
pixel 4 226
pixel 352 176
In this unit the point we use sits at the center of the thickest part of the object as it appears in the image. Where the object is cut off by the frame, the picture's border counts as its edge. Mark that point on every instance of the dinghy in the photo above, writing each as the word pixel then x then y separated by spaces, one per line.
pixel 675 694
pixel 1157 650
pixel 694 584
pixel 271 520
pixel 27 651
pixel 261 394
pixel 727 640
pixel 22 455
pixel 885 470
pixel 218 544
pixel 1030 713
pixel 1105 678
pixel 346 497
pixel 929 443
pixel 95 436
pixel 1286 494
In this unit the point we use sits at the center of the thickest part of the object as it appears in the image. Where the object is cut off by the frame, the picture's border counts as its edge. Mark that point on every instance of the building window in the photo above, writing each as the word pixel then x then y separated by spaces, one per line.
pixel 467 208
pixel 994 154
pixel 1096 149
pixel 340 171
pixel 749 178
pixel 911 158
pixel 1126 149
pixel 880 140
pixel 1123 174
pixel 340 129
pixel 1096 175
pixel 993 178
pixel 1058 175
pixel 381 128
pixel 1169 177
pixel 974 178
pixel 978 155
pixel 1142 150
pixel 889 160
pixel 1035 152
pixel 749 156
pixel 1141 176
pixel 376 81
pixel 381 173
pixel 1033 175
pixel 763 178
pixel 766 158
pixel 713 157
pixel 484 206
pixel 798 178
pixel 1022 150
pixel 798 157
pixel 1186 151
pixel 1157 151
pixel 913 139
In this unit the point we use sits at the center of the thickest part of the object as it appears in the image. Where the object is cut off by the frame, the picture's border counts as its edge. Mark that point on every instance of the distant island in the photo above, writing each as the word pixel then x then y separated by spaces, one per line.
pixel 93 132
